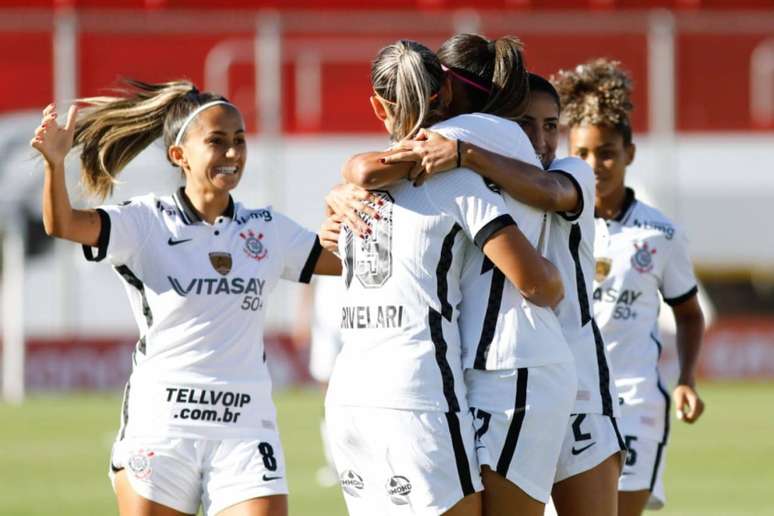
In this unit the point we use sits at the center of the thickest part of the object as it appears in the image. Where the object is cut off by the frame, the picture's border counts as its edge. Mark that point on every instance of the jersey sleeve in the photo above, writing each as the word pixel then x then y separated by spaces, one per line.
pixel 464 195
pixel 582 178
pixel 678 282
pixel 124 229
pixel 299 247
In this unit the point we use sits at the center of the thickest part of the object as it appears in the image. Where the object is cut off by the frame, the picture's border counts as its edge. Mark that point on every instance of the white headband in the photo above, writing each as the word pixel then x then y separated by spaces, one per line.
pixel 195 112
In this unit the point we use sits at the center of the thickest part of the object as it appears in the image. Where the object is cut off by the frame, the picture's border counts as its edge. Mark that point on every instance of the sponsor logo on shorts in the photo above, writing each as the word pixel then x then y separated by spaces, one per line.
pixel 351 482
pixel 139 463
pixel 582 449
pixel 267 478
pixel 398 489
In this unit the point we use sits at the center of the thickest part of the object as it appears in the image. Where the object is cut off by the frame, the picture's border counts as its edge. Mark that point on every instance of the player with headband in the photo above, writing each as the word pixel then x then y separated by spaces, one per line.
pixel 590 460
pixel 518 368
pixel 198 424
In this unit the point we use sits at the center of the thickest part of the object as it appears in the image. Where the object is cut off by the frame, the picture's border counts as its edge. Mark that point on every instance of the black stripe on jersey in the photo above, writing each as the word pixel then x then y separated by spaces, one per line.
pixel 447 375
pixel 124 413
pixel 512 437
pixel 674 301
pixel 134 281
pixel 658 344
pixel 490 318
pixel 662 444
pixel 460 454
pixel 311 261
pixel 580 281
pixel 603 371
pixel 492 227
pixel 575 215
pixel 444 264
pixel 102 240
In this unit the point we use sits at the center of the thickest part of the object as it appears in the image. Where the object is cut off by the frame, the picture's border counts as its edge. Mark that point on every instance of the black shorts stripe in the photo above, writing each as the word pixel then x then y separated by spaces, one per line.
pixel 580 281
pixel 603 371
pixel 444 264
pixel 103 240
pixel 621 442
pixel 447 375
pixel 512 437
pixel 490 318
pixel 662 444
pixel 460 454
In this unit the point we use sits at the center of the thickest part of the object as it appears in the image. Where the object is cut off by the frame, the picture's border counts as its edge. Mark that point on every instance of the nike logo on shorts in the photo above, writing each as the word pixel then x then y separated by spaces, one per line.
pixel 581 450
pixel 175 242
pixel 267 478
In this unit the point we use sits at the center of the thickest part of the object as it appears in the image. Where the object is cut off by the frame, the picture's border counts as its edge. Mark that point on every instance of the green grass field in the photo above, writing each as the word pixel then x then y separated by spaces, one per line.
pixel 54 455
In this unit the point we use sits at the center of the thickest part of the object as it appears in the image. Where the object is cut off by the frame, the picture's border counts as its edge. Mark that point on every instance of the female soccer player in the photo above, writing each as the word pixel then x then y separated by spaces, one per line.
pixel 590 459
pixel 640 254
pixel 396 405
pixel 512 349
pixel 198 423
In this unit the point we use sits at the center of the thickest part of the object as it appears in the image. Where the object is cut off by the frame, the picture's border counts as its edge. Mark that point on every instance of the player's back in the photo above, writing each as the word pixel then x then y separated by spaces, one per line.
pixel 401 346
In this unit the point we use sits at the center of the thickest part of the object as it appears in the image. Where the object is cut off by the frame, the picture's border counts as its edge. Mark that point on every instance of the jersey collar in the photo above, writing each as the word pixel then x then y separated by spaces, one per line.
pixel 188 212
pixel 628 202
pixel 627 205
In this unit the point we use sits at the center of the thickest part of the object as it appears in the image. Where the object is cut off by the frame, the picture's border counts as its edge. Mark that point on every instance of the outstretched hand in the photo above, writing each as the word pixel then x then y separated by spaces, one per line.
pixel 52 140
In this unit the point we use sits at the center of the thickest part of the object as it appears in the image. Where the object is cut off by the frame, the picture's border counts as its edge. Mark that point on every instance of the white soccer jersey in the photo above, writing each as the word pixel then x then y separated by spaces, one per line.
pixel 401 344
pixel 639 254
pixel 499 328
pixel 571 248
pixel 198 293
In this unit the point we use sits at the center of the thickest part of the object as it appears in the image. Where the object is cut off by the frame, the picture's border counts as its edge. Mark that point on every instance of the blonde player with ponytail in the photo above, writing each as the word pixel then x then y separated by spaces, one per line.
pixel 198 425
pixel 397 410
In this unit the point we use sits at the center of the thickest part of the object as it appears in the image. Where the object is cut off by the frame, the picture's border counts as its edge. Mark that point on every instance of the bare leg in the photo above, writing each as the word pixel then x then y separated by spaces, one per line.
pixel 468 506
pixel 275 505
pixel 504 498
pixel 632 503
pixel 132 504
pixel 591 493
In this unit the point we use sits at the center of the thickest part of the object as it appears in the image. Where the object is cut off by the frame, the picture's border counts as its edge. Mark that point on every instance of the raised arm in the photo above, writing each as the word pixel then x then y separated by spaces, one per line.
pixel 59 218
pixel 536 278
pixel 522 181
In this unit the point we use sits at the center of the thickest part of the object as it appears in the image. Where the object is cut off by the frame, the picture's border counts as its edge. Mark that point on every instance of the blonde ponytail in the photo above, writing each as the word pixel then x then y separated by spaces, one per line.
pixel 408 76
pixel 114 130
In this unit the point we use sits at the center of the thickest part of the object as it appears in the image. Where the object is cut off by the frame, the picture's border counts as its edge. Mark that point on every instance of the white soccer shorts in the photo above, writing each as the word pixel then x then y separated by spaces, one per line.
pixel 521 416
pixel 644 469
pixel 402 462
pixel 184 473
pixel 589 440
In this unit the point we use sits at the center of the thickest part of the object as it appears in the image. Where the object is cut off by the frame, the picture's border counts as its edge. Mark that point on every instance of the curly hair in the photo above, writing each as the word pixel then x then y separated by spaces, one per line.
pixel 596 93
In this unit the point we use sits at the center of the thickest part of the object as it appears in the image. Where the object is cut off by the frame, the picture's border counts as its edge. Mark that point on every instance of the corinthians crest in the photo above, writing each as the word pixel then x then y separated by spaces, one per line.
pixel 221 262
pixel 642 260
pixel 254 248
pixel 602 269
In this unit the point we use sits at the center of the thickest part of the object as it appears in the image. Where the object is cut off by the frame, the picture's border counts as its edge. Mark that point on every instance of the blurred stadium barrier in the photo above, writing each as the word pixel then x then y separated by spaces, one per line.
pixel 704 121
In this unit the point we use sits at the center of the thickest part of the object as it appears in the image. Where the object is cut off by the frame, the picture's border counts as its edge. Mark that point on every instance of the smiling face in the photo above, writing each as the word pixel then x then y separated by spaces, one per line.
pixel 213 151
pixel 541 124
pixel 603 148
